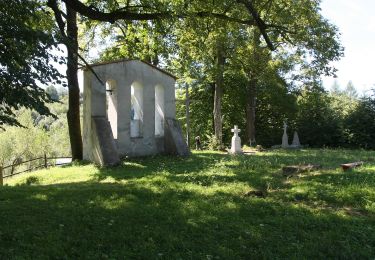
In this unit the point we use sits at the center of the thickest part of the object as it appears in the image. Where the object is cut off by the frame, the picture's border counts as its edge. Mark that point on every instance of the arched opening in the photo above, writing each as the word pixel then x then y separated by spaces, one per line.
pixel 136 122
pixel 159 110
pixel 111 100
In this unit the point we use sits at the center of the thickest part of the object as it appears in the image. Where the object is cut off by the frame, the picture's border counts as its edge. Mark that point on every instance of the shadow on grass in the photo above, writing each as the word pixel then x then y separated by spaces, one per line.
pixel 201 161
pixel 139 221
pixel 204 169
pixel 142 167
pixel 256 171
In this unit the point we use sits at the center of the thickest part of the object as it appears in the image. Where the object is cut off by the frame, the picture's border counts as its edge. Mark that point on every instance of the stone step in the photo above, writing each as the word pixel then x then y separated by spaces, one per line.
pixel 105 144
pixel 175 143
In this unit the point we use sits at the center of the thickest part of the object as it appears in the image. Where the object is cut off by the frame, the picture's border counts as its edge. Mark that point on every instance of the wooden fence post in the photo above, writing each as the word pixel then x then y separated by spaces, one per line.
pixel 45 160
pixel 1 176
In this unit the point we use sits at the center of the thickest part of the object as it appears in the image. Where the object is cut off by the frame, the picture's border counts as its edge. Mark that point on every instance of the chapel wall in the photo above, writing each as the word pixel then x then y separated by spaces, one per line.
pixel 123 75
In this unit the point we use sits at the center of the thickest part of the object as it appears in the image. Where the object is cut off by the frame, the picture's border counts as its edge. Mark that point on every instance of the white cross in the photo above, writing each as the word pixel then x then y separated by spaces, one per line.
pixel 236 130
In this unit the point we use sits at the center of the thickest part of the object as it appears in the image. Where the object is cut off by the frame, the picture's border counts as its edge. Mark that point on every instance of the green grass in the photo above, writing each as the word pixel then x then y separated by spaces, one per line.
pixel 194 208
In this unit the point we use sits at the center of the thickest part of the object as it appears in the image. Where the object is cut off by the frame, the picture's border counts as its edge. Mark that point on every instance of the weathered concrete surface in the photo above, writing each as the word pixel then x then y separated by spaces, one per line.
pixel 104 143
pixel 174 141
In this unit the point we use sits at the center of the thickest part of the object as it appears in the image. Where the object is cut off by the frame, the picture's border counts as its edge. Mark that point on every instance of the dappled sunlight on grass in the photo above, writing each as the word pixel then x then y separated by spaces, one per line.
pixel 57 175
pixel 191 208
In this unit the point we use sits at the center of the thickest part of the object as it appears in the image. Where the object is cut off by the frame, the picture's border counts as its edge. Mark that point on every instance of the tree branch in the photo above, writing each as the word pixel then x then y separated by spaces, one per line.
pixel 122 14
pixel 258 21
pixel 61 24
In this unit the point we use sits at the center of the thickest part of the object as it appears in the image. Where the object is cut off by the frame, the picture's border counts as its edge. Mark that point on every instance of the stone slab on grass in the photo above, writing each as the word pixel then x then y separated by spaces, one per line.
pixel 348 166
pixel 296 169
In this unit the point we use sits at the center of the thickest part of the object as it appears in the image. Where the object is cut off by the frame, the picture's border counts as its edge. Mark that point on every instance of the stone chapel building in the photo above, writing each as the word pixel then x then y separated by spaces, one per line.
pixel 133 114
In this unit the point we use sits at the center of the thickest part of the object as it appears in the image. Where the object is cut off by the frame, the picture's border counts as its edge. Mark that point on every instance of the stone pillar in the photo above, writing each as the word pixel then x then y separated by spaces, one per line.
pixel 149 111
pixel 123 113
pixel 285 143
pixel 159 110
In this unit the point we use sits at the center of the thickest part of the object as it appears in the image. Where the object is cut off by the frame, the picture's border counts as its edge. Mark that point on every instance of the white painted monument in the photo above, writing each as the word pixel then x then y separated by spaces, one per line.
pixel 130 111
pixel 236 141
pixel 284 143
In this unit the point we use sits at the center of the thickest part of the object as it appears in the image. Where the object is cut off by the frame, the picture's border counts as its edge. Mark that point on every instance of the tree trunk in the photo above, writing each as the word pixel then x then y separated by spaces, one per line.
pixel 251 90
pixel 73 114
pixel 250 111
pixel 219 82
pixel 187 100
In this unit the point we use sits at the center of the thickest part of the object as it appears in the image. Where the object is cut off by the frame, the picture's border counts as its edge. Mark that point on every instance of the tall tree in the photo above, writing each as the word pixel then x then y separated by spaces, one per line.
pixel 350 90
pixel 250 59
pixel 72 76
pixel 360 123
pixel 297 26
pixel 26 42
pixel 292 28
pixel 69 35
pixel 335 88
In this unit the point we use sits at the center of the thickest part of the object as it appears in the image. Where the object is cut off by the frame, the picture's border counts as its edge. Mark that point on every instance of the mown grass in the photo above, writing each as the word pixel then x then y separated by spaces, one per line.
pixel 194 208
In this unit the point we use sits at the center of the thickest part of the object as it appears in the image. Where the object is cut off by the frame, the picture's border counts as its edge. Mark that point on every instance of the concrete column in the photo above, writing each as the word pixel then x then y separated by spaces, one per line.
pixel 98 96
pixel 86 133
pixel 159 110
pixel 149 110
pixel 170 99
pixel 124 104
pixel 111 96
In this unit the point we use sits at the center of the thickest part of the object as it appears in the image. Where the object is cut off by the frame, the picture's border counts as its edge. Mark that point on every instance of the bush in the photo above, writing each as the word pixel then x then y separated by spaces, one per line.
pixel 212 143
pixel 360 124
pixel 32 180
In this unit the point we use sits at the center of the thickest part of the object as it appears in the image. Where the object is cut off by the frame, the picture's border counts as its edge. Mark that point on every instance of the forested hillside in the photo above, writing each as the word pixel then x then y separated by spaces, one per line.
pixel 38 135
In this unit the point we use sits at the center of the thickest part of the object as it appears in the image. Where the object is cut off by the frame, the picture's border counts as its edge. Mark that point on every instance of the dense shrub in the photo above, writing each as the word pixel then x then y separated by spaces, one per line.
pixel 360 124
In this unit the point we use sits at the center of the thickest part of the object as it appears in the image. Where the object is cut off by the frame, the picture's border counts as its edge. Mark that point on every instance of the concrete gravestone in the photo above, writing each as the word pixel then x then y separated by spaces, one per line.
pixel 296 142
pixel 284 143
pixel 236 141
pixel 132 115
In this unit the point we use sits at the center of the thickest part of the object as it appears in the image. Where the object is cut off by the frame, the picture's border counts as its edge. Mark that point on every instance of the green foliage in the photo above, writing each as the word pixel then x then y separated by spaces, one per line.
pixel 40 135
pixel 32 180
pixel 317 122
pixel 194 208
pixel 201 108
pixel 212 143
pixel 360 124
pixel 52 92
pixel 335 88
pixel 25 61
pixel 350 90
pixel 307 43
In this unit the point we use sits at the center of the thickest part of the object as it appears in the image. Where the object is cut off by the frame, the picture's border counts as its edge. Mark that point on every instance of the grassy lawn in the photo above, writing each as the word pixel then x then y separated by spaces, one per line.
pixel 194 208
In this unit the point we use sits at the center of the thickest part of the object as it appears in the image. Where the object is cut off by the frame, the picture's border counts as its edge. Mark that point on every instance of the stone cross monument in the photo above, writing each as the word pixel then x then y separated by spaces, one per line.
pixel 284 143
pixel 236 141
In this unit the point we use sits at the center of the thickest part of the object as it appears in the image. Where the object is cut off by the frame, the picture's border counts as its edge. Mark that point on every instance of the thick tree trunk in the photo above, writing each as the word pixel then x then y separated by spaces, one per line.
pixel 219 82
pixel 251 90
pixel 73 114
pixel 187 100
pixel 250 111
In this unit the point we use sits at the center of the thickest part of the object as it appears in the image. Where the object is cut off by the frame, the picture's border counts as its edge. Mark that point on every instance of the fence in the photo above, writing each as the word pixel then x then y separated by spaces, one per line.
pixel 44 164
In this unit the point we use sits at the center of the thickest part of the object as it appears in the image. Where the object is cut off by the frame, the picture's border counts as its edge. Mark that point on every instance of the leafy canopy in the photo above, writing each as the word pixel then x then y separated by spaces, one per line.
pixel 26 42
